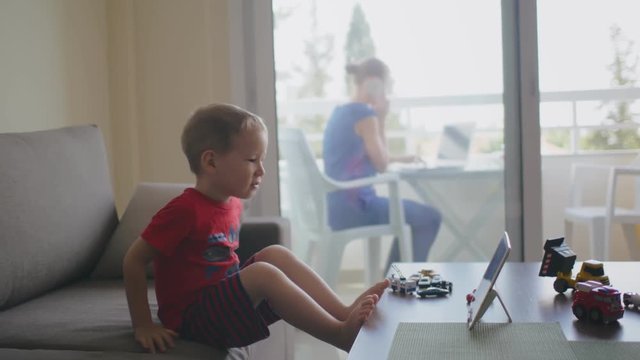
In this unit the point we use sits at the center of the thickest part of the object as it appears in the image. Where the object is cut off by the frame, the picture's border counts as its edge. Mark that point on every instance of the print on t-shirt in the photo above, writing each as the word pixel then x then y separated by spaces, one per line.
pixel 218 253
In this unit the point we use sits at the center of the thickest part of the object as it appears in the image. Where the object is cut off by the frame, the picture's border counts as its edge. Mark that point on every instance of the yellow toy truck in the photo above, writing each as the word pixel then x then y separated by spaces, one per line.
pixel 558 261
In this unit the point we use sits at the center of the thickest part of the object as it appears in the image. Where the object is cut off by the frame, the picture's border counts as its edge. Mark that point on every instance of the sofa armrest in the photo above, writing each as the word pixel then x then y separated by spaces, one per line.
pixel 257 233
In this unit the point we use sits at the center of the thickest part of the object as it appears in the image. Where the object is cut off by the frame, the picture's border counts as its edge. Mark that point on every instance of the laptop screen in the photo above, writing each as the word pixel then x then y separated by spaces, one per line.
pixel 455 141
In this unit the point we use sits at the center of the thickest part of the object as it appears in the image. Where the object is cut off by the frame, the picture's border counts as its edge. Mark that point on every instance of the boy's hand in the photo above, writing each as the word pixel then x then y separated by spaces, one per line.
pixel 155 337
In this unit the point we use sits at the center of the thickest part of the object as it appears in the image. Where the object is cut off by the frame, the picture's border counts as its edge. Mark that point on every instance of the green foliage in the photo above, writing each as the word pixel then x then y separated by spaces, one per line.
pixel 492 144
pixel 318 50
pixel 618 139
pixel 623 69
pixel 558 138
pixel 359 43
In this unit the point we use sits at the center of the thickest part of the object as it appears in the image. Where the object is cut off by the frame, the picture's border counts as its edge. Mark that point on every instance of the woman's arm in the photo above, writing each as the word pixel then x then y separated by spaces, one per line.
pixel 372 134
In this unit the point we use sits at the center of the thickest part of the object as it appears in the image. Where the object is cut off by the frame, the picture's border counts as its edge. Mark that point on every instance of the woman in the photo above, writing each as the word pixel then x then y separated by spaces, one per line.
pixel 355 147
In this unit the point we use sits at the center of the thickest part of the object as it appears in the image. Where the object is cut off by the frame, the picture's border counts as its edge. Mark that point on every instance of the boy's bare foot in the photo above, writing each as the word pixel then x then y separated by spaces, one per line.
pixel 359 314
pixel 376 289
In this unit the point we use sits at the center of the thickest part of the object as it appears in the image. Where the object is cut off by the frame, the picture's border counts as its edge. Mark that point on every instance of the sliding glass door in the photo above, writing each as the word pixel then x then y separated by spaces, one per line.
pixel 452 63
pixel 589 108
pixel 447 104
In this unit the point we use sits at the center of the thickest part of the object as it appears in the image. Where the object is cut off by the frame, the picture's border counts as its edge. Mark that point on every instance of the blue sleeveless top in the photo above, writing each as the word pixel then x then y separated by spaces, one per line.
pixel 344 154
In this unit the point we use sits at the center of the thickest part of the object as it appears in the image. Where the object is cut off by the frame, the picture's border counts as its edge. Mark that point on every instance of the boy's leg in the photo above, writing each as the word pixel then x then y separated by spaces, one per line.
pixel 309 281
pixel 263 281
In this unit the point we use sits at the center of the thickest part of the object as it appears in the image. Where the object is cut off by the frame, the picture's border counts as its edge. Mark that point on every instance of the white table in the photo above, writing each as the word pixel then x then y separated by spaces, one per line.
pixel 464 228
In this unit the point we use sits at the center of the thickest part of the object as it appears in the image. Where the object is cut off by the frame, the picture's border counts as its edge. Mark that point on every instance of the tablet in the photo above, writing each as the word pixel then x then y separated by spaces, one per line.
pixel 483 295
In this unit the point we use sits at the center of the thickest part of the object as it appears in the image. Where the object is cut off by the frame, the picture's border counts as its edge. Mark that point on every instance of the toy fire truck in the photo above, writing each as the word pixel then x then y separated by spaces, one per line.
pixel 558 261
pixel 400 283
pixel 597 302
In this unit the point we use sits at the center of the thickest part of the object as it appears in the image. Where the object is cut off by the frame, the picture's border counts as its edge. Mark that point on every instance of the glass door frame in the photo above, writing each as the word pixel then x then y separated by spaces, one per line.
pixel 252 72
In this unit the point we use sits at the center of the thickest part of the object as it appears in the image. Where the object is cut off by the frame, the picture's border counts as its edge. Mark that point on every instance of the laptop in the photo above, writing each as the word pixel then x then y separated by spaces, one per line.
pixel 455 144
pixel 453 151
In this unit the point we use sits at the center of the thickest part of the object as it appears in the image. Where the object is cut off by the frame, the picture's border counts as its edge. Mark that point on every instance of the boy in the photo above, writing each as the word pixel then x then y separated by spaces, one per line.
pixel 201 293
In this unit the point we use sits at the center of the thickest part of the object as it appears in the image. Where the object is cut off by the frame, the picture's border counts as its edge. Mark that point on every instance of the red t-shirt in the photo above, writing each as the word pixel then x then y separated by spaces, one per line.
pixel 196 238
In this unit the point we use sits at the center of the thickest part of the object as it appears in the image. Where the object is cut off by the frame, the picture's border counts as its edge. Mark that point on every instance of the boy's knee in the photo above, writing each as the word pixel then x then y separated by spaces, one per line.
pixel 272 252
pixel 258 279
pixel 263 270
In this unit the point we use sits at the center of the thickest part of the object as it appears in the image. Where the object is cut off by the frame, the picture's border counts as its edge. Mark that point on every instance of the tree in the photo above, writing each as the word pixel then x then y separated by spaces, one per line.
pixel 359 43
pixel 318 49
pixel 623 69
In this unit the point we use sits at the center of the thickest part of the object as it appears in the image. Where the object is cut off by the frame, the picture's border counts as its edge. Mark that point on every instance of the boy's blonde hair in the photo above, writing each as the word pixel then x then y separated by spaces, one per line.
pixel 213 127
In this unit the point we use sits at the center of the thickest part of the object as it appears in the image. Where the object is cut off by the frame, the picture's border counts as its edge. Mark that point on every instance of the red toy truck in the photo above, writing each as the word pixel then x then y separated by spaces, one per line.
pixel 597 302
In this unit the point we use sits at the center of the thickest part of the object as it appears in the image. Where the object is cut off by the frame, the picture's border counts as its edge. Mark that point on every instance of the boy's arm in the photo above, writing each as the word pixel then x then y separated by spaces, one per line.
pixel 148 334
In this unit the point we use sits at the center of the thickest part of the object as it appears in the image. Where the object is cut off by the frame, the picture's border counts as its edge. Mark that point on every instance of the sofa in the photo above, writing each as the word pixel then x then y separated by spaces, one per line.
pixel 61 250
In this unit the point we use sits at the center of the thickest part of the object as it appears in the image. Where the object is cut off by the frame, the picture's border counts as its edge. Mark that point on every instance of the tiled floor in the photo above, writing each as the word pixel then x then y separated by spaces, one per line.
pixel 307 347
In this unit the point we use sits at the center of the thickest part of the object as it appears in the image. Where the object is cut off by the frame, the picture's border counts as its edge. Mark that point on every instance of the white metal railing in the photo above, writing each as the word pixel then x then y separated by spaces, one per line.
pixel 290 111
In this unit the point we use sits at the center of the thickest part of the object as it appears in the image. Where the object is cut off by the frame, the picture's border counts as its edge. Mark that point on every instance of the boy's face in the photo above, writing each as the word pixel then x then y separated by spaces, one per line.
pixel 239 172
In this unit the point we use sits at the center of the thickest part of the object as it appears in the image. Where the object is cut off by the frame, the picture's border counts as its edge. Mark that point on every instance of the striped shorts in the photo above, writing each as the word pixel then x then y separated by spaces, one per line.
pixel 223 315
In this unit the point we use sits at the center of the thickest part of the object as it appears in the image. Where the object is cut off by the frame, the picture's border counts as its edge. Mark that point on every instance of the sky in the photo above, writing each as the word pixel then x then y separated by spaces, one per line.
pixel 454 47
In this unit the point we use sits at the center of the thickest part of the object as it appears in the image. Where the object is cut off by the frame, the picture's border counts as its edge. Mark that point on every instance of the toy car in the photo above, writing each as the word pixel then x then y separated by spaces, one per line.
pixel 427 272
pixel 630 299
pixel 433 286
pixel 402 285
pixel 439 282
pixel 597 302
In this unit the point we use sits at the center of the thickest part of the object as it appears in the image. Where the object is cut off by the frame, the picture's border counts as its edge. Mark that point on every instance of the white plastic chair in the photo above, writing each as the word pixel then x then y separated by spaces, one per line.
pixel 307 188
pixel 601 218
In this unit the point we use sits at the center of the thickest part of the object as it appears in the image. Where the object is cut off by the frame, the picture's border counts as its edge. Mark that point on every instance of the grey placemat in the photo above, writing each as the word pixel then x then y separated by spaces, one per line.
pixel 605 350
pixel 486 341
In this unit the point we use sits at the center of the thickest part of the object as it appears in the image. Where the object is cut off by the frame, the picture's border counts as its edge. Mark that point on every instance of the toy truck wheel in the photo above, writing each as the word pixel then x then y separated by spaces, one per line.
pixel 450 288
pixel 579 312
pixel 626 303
pixel 560 285
pixel 595 315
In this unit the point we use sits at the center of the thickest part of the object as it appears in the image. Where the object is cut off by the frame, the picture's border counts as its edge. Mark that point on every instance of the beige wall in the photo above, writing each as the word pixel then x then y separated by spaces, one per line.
pixel 53 65
pixel 166 58
pixel 135 68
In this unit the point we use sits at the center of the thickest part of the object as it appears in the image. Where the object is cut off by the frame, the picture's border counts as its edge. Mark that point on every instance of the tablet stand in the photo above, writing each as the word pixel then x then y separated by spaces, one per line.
pixel 490 296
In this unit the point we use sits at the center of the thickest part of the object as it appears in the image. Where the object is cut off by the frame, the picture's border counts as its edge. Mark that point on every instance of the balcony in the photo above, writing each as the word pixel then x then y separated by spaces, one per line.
pixel 571 113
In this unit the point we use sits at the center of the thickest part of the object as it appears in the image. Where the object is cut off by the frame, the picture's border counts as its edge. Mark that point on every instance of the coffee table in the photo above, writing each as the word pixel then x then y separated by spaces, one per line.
pixel 528 297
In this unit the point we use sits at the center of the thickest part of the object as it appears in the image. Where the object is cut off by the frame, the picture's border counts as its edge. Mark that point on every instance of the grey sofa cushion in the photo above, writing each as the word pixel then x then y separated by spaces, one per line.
pixel 87 316
pixel 57 209
pixel 147 199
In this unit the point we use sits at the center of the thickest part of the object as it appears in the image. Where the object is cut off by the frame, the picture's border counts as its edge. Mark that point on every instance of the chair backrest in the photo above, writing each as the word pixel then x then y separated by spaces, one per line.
pixel 304 181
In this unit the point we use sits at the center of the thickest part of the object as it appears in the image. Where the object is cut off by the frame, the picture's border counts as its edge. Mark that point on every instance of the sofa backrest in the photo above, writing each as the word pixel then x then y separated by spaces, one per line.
pixel 56 209
pixel 147 200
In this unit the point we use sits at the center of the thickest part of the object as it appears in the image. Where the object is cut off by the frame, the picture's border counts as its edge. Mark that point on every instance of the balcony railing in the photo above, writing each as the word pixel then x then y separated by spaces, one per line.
pixel 291 111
